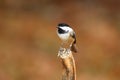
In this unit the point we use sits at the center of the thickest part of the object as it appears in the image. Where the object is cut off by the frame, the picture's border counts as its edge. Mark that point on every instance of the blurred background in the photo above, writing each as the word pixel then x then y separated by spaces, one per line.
pixel 29 44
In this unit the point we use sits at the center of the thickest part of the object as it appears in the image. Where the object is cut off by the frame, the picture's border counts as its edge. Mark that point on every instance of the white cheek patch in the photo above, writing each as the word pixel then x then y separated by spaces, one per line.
pixel 64 36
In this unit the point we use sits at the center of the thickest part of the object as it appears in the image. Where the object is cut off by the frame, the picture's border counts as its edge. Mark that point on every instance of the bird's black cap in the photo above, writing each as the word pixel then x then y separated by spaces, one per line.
pixel 63 24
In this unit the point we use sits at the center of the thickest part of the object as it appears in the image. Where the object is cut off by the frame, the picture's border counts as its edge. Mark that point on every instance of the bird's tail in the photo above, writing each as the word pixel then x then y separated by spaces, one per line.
pixel 74 48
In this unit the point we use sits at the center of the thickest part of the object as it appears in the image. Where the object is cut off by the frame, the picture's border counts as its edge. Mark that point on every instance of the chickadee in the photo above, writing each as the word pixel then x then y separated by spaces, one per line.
pixel 65 33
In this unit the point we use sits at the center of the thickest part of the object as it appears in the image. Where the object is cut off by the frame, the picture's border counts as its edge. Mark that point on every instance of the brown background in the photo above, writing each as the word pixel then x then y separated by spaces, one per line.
pixel 29 44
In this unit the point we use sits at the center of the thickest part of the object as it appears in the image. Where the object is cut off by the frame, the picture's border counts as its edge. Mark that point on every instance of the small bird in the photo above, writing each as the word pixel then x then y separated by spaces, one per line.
pixel 66 33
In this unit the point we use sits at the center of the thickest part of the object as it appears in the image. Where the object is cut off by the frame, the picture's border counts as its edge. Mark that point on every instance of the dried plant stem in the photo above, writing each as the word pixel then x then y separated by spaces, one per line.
pixel 69 68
